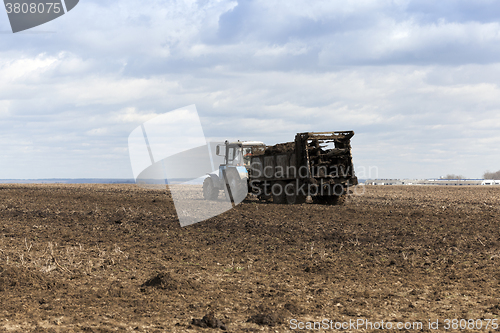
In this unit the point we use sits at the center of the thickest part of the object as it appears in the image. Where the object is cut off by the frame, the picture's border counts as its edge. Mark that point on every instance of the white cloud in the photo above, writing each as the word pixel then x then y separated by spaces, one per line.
pixel 98 131
pixel 292 48
pixel 131 115
pixel 13 70
pixel 4 108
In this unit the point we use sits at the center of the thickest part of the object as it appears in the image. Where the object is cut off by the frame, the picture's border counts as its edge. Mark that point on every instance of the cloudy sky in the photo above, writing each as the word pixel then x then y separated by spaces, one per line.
pixel 418 81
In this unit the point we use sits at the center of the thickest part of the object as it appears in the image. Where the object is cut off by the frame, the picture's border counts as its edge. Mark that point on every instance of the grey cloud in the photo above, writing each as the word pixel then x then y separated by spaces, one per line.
pixel 410 85
pixel 173 36
pixel 278 22
pixel 455 11
pixel 397 113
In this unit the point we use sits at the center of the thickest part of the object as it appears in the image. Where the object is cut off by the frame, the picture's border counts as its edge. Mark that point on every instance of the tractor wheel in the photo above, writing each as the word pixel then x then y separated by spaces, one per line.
pixel 210 192
pixel 237 186
pixel 292 195
pixel 278 192
pixel 319 200
pixel 336 200
pixel 264 197
pixel 333 200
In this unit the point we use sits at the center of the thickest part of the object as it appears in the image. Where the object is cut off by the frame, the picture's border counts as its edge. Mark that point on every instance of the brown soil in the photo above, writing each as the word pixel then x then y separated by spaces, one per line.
pixel 113 258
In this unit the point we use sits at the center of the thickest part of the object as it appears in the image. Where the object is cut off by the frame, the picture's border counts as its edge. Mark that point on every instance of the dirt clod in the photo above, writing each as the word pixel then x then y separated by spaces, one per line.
pixel 20 278
pixel 162 280
pixel 209 321
pixel 265 319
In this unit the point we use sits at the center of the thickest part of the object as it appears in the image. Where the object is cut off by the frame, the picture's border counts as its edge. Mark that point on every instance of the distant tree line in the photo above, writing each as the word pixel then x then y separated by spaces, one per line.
pixel 452 176
pixel 492 175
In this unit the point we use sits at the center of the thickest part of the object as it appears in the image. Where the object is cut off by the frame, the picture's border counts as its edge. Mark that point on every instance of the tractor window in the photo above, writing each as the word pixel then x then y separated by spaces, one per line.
pixel 237 157
pixel 247 156
pixel 230 155
pixel 234 156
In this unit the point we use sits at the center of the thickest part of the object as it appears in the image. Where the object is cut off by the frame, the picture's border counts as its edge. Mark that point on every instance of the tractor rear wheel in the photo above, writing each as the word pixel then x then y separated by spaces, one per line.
pixel 334 200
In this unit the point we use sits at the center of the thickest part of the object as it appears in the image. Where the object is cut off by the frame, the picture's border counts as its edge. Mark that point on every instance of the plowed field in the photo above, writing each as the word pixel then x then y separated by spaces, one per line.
pixel 113 258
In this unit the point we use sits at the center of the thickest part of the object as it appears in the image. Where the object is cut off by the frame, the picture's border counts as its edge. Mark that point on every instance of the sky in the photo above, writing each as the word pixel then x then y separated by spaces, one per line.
pixel 417 81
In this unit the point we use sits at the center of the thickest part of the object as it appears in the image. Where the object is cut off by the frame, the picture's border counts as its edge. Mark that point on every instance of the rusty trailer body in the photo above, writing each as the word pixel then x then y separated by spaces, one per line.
pixel 316 164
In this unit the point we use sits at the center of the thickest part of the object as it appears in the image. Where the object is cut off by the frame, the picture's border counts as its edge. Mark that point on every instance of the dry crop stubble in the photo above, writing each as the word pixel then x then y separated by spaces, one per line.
pixel 113 257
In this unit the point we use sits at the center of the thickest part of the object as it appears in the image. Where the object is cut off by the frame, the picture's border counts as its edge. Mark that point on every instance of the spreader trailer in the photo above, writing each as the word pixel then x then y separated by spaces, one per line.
pixel 316 164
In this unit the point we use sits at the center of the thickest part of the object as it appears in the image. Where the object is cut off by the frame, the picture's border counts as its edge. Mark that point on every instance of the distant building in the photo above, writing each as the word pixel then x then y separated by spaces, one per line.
pixel 384 182
pixel 453 182
pixel 448 182
pixel 490 182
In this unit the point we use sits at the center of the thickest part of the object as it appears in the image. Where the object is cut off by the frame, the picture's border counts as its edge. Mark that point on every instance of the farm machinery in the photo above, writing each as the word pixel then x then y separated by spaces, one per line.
pixel 315 164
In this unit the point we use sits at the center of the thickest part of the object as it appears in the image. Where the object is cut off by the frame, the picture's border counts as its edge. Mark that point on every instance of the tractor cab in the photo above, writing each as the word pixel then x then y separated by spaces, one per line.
pixel 240 153
pixel 233 174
